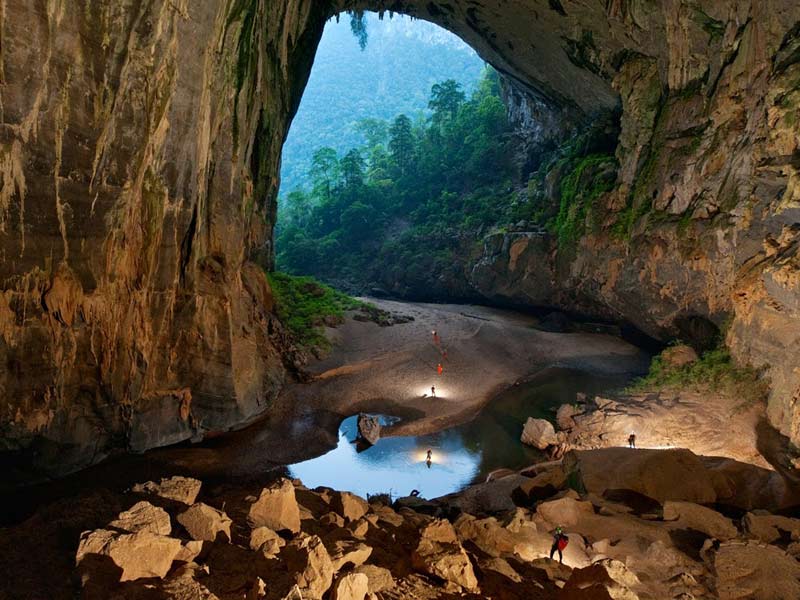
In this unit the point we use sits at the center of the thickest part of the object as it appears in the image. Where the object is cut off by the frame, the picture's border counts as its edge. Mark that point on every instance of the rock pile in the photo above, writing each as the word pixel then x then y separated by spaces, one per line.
pixel 632 535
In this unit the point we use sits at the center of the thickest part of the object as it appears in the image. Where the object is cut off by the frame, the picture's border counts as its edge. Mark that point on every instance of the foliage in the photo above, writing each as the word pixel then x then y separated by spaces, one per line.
pixel 715 371
pixel 392 75
pixel 406 196
pixel 304 306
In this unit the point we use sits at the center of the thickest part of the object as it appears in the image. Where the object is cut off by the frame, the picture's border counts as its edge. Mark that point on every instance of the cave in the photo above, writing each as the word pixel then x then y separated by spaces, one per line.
pixel 139 176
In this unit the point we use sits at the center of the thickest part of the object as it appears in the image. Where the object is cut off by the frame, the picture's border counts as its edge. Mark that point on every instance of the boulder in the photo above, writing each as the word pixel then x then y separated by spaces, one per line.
pixel 539 433
pixel 266 541
pixel 346 552
pixel 143 516
pixel 350 506
pixel 190 551
pixel 179 489
pixel 204 523
pixel 566 511
pixel 440 554
pixel 700 518
pixel 369 428
pixel 353 586
pixel 606 579
pixel 678 356
pixel 379 578
pixel 675 474
pixel 565 417
pixel 487 534
pixel 310 564
pixel 139 555
pixel 276 508
pixel 542 486
pixel 755 571
pixel 771 528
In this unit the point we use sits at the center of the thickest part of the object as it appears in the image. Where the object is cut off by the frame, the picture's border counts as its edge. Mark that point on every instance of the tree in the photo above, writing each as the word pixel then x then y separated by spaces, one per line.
pixel 401 144
pixel 352 170
pixel 374 130
pixel 446 97
pixel 324 172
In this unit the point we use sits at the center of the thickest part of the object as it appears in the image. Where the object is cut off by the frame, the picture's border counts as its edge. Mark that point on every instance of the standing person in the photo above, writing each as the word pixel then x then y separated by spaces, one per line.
pixel 632 440
pixel 435 337
pixel 560 542
pixel 439 368
pixel 433 391
pixel 444 354
pixel 429 458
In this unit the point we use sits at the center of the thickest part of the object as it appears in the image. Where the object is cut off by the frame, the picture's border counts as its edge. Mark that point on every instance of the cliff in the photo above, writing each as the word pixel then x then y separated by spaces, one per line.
pixel 139 157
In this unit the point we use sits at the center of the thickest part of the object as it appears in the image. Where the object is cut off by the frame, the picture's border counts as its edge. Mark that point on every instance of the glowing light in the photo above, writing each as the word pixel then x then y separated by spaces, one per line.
pixel 441 392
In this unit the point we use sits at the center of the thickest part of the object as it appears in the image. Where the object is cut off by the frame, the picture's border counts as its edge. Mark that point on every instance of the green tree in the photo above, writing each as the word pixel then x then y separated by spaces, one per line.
pixel 401 144
pixel 324 172
pixel 446 98
pixel 352 170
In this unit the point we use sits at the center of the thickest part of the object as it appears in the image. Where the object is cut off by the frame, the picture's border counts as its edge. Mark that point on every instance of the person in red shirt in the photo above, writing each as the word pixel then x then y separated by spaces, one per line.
pixel 439 368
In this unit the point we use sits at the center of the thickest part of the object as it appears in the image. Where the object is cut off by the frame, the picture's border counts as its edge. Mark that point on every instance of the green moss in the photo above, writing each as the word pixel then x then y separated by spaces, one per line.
pixel 715 371
pixel 304 306
pixel 713 27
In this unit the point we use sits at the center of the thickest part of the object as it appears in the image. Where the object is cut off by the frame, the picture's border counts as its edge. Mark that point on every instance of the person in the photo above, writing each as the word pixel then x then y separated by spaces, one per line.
pixel 433 391
pixel 560 542
pixel 435 337
pixel 439 368
pixel 632 440
pixel 429 458
pixel 444 354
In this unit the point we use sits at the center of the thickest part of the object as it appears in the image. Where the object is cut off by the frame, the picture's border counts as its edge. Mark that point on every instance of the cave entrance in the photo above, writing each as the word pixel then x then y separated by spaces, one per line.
pixel 398 155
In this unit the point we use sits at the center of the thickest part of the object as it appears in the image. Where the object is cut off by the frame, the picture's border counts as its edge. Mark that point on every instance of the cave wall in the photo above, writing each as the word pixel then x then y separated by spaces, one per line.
pixel 139 157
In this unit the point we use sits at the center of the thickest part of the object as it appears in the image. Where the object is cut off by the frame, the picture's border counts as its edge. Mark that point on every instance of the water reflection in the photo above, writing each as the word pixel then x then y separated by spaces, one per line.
pixel 460 455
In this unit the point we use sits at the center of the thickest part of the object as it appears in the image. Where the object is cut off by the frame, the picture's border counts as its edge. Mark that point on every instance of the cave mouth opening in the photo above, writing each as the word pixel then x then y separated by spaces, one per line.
pixel 400 152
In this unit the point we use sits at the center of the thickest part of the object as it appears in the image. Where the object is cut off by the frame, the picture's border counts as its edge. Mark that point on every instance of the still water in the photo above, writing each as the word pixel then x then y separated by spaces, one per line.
pixel 462 455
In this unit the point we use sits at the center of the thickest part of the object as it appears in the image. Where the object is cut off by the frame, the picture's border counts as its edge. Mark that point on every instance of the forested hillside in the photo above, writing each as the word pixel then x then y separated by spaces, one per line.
pixel 408 197
pixel 393 74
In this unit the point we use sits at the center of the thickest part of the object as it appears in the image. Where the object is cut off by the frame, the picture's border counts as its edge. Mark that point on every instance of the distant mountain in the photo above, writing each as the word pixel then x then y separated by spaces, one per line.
pixel 403 58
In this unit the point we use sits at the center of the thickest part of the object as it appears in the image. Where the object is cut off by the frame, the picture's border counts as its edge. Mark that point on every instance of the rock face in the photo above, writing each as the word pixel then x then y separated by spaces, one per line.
pixel 139 179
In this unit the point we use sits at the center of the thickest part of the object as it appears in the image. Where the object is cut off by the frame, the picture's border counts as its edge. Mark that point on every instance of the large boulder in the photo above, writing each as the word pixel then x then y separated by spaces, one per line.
pixel 771 528
pixel 440 554
pixel 353 586
pixel 565 417
pixel 345 552
pixel 138 555
pixel 755 571
pixel 179 489
pixel 566 511
pixel 663 475
pixel 700 518
pixel 606 579
pixel 539 433
pixel 350 506
pixel 310 564
pixel 678 356
pixel 276 508
pixel 143 516
pixel 369 428
pixel 205 523
pixel 487 534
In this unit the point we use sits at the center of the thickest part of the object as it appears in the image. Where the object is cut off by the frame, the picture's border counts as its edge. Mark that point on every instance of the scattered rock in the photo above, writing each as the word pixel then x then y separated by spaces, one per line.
pixel 771 528
pixel 607 579
pixel 369 428
pixel 205 523
pixel 539 433
pixel 353 586
pixel 310 564
pixel 565 416
pixel 379 579
pixel 440 554
pixel 350 506
pixel 700 518
pixel 266 541
pixel 143 516
pixel 346 552
pixel 138 555
pixel 179 489
pixel 276 508
pixel 190 551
